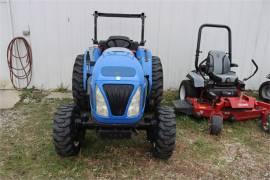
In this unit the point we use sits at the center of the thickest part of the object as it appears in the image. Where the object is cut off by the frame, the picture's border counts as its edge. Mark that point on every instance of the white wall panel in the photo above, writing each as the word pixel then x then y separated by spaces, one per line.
pixel 5 36
pixel 61 29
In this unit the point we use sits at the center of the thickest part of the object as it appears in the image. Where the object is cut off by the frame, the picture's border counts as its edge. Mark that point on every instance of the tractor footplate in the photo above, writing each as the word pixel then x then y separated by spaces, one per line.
pixel 114 133
pixel 183 107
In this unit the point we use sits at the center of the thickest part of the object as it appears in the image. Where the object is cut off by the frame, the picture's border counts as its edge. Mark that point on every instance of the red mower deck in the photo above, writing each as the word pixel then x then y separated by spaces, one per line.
pixel 229 108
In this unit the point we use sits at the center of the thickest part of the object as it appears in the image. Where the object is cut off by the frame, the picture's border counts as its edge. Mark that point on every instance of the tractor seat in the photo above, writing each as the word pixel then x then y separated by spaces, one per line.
pixel 118 41
pixel 219 67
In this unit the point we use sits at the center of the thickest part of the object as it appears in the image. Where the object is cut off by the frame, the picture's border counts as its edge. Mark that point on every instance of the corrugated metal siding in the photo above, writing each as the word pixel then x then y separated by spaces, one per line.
pixel 62 29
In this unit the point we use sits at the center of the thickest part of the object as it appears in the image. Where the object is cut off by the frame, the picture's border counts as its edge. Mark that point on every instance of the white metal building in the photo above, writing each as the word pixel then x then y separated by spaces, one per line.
pixel 61 29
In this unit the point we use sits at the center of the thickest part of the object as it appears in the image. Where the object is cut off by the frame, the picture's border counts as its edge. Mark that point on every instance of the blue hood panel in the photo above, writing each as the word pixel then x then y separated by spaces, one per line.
pixel 118 64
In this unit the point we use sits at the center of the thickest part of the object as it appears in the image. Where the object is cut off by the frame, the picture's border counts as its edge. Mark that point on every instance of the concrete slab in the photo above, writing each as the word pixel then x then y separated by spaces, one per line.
pixel 8 98
pixel 6 84
pixel 59 95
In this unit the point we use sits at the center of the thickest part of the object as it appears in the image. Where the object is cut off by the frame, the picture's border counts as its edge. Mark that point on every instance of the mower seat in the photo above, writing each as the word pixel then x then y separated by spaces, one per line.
pixel 219 67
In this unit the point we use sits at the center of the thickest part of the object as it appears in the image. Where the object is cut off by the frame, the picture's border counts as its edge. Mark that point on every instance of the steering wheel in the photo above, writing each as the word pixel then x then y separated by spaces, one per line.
pixel 118 42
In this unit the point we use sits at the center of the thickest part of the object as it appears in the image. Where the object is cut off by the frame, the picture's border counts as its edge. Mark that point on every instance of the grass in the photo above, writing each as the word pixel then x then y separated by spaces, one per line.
pixel 32 95
pixel 27 152
pixel 62 88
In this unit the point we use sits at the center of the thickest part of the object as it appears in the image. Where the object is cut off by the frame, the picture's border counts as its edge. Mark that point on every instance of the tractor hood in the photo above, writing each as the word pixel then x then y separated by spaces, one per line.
pixel 118 77
pixel 119 66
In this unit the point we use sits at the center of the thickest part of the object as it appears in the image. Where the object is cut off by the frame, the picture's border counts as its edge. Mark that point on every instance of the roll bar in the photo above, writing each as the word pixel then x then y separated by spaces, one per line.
pixel 97 14
pixel 199 41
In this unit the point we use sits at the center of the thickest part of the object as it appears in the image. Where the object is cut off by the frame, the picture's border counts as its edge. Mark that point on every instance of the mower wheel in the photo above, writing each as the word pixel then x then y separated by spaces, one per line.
pixel 186 89
pixel 157 84
pixel 67 138
pixel 266 127
pixel 79 94
pixel 216 124
pixel 164 132
pixel 264 91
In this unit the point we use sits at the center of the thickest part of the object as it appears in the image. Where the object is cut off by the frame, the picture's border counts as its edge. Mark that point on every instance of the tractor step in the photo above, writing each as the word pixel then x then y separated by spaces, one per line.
pixel 183 106
pixel 114 133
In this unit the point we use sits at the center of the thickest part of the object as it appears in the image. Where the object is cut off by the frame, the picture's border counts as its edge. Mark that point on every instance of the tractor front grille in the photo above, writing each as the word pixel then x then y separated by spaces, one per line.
pixel 118 96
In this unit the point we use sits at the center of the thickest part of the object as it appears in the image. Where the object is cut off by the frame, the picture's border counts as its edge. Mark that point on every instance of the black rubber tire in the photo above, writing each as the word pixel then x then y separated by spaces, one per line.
pixel 66 137
pixel 190 90
pixel 80 96
pixel 216 124
pixel 156 95
pixel 266 128
pixel 163 134
pixel 264 86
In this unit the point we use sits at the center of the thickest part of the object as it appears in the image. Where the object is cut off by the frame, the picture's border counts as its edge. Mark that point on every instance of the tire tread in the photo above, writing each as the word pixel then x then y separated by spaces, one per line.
pixel 164 138
pixel 79 94
pixel 64 130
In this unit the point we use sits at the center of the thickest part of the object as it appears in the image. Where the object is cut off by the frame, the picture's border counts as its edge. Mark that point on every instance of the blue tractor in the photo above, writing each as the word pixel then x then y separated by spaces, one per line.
pixel 117 88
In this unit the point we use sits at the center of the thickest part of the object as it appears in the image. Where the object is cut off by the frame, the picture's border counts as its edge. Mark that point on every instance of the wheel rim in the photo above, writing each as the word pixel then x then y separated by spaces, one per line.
pixel 182 93
pixel 266 92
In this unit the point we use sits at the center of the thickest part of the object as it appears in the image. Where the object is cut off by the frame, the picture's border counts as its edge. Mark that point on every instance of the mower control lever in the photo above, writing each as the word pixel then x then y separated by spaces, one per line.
pixel 256 66
pixel 202 68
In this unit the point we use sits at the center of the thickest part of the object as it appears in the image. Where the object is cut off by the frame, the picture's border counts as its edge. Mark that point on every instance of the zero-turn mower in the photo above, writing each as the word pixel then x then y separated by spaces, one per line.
pixel 214 91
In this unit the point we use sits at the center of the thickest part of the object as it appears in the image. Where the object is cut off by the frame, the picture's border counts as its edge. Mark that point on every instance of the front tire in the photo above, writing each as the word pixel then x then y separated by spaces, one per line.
pixel 216 124
pixel 79 94
pixel 163 134
pixel 264 91
pixel 67 138
pixel 266 126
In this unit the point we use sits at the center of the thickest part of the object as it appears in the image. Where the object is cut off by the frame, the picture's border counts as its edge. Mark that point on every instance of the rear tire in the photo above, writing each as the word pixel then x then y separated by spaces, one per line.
pixel 163 133
pixel 186 89
pixel 264 91
pixel 216 124
pixel 79 94
pixel 67 138
pixel 156 95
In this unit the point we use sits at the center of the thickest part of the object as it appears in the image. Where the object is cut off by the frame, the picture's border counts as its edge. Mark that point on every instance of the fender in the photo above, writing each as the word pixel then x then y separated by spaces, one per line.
pixel 196 78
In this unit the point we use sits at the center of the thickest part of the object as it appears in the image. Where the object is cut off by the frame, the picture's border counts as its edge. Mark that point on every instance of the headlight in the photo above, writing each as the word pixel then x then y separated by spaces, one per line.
pixel 101 106
pixel 134 107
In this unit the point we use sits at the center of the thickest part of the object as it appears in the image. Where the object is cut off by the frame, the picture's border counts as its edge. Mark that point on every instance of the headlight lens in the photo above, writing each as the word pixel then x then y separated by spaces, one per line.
pixel 101 106
pixel 134 107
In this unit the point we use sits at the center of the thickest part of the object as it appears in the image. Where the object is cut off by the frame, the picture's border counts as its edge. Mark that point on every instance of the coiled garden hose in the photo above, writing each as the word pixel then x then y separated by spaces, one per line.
pixel 19 59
